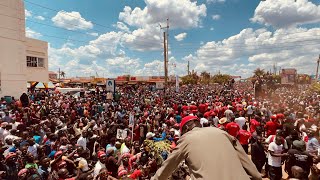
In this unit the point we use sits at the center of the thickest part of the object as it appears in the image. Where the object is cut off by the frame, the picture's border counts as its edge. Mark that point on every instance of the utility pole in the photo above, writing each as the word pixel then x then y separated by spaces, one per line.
pixel 317 73
pixel 165 61
pixel 166 53
pixel 59 74
pixel 188 67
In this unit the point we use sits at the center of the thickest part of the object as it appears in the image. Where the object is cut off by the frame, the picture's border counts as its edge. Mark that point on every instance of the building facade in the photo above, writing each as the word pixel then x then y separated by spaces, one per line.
pixel 22 59
pixel 53 76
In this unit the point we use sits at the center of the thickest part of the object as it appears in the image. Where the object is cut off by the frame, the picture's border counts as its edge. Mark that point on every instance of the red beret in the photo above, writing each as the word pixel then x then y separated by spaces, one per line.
pixel 187 119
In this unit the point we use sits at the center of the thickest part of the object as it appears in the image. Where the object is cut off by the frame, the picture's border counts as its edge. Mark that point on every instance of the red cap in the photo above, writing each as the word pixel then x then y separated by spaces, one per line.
pixel 11 154
pixel 57 154
pixel 274 117
pixel 101 154
pixel 187 119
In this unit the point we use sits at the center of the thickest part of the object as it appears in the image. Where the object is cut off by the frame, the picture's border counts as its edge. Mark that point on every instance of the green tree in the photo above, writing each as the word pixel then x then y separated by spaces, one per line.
pixel 315 87
pixel 192 78
pixel 205 77
pixel 63 74
pixel 259 72
pixel 220 78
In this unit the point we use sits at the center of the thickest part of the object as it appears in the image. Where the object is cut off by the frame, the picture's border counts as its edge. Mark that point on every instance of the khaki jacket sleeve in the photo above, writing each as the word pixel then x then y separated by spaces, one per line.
pixel 174 159
pixel 247 164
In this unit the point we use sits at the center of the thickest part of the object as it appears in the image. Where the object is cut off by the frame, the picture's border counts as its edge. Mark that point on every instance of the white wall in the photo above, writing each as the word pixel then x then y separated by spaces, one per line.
pixel 37 48
pixel 12 49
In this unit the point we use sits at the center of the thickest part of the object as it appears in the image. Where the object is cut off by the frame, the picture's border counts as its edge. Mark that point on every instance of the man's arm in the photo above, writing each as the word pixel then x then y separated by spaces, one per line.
pixel 174 159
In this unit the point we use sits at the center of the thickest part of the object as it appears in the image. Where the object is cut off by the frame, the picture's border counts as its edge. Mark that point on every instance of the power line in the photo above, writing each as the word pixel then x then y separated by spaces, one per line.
pixel 195 46
pixel 207 50
pixel 142 41
pixel 45 7
pixel 146 45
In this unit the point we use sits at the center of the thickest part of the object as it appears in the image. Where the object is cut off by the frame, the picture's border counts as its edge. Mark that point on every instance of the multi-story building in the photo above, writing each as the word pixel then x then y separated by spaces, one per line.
pixel 22 59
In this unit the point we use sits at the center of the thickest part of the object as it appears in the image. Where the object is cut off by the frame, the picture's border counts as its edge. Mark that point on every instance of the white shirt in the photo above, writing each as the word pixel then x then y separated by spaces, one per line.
pixel 240 121
pixel 97 168
pixel 82 142
pixel 15 125
pixel 203 120
pixel 272 160
pixel 250 110
pixel 33 150
pixel 4 134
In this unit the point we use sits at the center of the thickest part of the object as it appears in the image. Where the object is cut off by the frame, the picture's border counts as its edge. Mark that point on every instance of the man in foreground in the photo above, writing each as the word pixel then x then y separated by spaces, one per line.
pixel 210 153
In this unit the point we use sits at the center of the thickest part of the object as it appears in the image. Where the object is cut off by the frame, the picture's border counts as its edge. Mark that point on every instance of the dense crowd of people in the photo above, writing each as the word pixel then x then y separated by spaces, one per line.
pixel 49 135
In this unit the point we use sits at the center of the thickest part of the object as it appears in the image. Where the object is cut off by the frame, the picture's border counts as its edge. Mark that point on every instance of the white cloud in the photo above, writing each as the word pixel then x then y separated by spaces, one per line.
pixel 216 17
pixel 156 67
pixel 71 21
pixel 143 39
pixel 32 34
pixel 121 26
pixel 211 29
pixel 93 34
pixel 123 65
pixel 180 36
pixel 294 47
pixel 215 1
pixel 286 13
pixel 41 18
pixel 182 13
pixel 27 13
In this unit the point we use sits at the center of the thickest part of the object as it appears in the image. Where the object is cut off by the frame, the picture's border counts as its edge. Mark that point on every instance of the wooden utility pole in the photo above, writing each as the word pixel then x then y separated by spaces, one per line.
pixel 167 49
pixel 188 67
pixel 59 74
pixel 317 73
pixel 165 61
pixel 166 53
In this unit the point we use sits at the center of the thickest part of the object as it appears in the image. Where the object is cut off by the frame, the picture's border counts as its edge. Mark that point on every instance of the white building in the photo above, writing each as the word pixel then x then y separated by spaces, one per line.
pixel 22 59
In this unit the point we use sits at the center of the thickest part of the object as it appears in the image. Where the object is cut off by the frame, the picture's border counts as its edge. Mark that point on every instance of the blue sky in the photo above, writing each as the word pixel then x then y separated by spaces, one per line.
pixel 123 37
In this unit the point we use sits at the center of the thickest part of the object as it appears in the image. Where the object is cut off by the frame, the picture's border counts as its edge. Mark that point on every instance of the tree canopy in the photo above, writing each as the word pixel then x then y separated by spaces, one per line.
pixel 205 78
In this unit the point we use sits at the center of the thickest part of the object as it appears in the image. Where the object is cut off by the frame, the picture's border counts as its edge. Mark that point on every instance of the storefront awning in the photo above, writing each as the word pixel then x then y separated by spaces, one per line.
pixel 40 85
pixel 49 85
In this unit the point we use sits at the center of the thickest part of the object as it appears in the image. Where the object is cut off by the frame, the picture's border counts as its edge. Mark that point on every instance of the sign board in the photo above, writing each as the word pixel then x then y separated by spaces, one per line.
pixel 288 76
pixel 159 85
pixel 177 83
pixel 121 134
pixel 131 120
pixel 111 85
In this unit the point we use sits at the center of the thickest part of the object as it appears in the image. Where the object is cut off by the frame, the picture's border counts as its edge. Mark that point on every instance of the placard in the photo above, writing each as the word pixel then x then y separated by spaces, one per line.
pixel 159 85
pixel 111 85
pixel 121 134
pixel 131 120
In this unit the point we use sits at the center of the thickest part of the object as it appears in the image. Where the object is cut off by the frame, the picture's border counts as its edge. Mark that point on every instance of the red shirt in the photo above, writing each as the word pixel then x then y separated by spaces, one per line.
pixel 193 107
pixel 136 174
pixel 203 108
pixel 244 137
pixel 233 129
pixel 185 108
pixel 207 114
pixel 271 127
pixel 253 125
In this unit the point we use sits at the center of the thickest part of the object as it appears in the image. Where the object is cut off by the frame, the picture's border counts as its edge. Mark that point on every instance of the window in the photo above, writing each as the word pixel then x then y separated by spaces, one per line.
pixel 35 61
pixel 40 62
